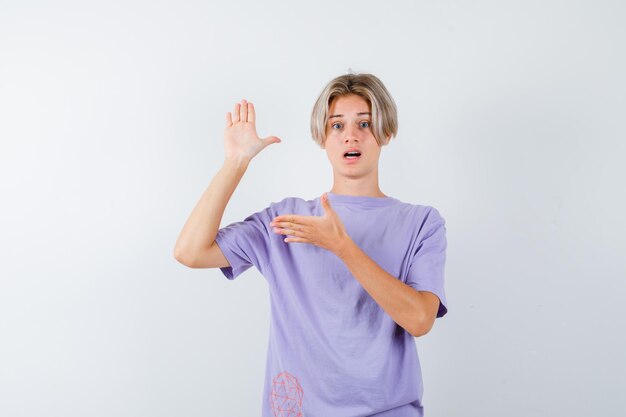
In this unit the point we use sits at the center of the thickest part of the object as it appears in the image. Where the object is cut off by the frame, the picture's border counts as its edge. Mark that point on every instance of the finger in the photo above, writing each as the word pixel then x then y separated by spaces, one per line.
pixel 251 114
pixel 287 232
pixel 294 218
pixel 244 111
pixel 236 113
pixel 284 227
pixel 294 240
pixel 229 120
pixel 291 233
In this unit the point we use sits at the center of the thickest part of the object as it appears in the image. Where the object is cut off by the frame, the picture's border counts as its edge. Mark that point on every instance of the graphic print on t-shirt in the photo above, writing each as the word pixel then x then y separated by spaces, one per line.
pixel 286 396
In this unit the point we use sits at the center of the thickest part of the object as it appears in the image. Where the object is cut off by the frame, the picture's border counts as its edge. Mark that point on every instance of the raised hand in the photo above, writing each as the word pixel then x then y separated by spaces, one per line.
pixel 241 141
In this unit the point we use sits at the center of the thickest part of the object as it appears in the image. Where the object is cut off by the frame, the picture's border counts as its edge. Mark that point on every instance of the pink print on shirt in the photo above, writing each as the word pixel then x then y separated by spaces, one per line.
pixel 286 396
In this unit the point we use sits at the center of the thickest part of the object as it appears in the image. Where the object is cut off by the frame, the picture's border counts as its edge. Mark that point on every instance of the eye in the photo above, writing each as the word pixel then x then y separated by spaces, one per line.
pixel 365 123
pixel 336 125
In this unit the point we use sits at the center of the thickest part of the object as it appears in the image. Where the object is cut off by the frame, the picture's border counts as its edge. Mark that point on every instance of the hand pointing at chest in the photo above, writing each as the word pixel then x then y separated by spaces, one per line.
pixel 326 231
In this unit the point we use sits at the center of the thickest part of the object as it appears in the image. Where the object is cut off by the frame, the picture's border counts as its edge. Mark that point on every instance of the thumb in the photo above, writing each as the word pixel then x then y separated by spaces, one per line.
pixel 326 203
pixel 269 140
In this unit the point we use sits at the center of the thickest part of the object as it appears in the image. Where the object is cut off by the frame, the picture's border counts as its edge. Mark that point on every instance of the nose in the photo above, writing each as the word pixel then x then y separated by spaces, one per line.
pixel 350 133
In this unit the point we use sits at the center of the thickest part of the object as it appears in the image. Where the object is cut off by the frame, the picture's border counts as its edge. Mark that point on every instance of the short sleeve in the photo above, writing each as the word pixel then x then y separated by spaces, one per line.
pixel 426 272
pixel 246 243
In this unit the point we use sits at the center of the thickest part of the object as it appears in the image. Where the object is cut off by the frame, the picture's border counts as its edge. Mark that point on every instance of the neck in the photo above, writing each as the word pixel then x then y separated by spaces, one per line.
pixel 357 188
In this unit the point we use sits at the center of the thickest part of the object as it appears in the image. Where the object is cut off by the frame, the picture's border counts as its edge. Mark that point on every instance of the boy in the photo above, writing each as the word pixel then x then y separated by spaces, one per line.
pixel 354 275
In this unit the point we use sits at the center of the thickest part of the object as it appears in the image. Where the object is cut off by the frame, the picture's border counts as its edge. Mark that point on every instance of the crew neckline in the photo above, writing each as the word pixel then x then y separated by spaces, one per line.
pixel 360 200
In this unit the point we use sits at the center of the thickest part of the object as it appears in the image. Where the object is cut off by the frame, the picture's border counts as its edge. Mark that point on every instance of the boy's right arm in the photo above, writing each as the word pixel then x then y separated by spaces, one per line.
pixel 196 247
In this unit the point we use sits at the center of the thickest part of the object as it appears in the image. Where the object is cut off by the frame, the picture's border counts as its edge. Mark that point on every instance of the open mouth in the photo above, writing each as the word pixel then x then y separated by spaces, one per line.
pixel 352 155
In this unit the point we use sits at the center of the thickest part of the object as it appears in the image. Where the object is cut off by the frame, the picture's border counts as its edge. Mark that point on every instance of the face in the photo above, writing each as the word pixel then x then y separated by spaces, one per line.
pixel 349 126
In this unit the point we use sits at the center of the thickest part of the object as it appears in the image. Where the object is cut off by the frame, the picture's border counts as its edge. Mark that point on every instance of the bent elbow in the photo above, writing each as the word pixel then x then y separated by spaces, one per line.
pixel 422 327
pixel 182 258
pixel 419 332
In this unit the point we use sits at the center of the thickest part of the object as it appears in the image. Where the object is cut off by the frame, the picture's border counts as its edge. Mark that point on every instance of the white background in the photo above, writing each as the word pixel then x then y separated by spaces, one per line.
pixel 511 118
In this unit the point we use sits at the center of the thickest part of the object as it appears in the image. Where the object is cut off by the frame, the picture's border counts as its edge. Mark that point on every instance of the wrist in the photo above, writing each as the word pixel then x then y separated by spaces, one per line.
pixel 237 163
pixel 344 247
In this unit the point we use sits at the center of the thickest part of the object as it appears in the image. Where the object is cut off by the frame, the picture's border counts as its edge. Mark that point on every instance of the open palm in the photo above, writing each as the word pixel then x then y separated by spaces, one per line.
pixel 241 141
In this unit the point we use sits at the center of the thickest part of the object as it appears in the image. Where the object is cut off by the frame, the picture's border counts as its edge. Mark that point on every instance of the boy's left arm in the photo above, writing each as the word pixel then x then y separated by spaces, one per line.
pixel 414 310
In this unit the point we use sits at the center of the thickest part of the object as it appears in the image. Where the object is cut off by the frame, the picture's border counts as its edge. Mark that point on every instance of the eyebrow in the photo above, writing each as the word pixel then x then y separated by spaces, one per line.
pixel 358 114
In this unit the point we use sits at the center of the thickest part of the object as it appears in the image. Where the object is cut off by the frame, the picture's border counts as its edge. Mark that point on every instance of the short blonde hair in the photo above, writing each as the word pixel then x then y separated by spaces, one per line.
pixel 370 88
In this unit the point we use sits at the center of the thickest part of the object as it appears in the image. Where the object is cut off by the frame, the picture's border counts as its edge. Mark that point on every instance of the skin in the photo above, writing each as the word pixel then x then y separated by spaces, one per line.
pixel 413 310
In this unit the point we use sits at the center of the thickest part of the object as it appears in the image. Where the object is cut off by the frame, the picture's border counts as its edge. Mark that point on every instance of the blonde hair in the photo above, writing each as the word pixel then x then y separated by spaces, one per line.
pixel 372 90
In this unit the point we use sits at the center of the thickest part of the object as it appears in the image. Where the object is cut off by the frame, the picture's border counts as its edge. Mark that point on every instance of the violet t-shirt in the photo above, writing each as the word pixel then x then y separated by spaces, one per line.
pixel 333 351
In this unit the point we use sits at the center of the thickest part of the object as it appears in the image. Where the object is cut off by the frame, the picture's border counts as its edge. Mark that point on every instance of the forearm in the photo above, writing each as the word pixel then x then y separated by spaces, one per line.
pixel 201 228
pixel 399 300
